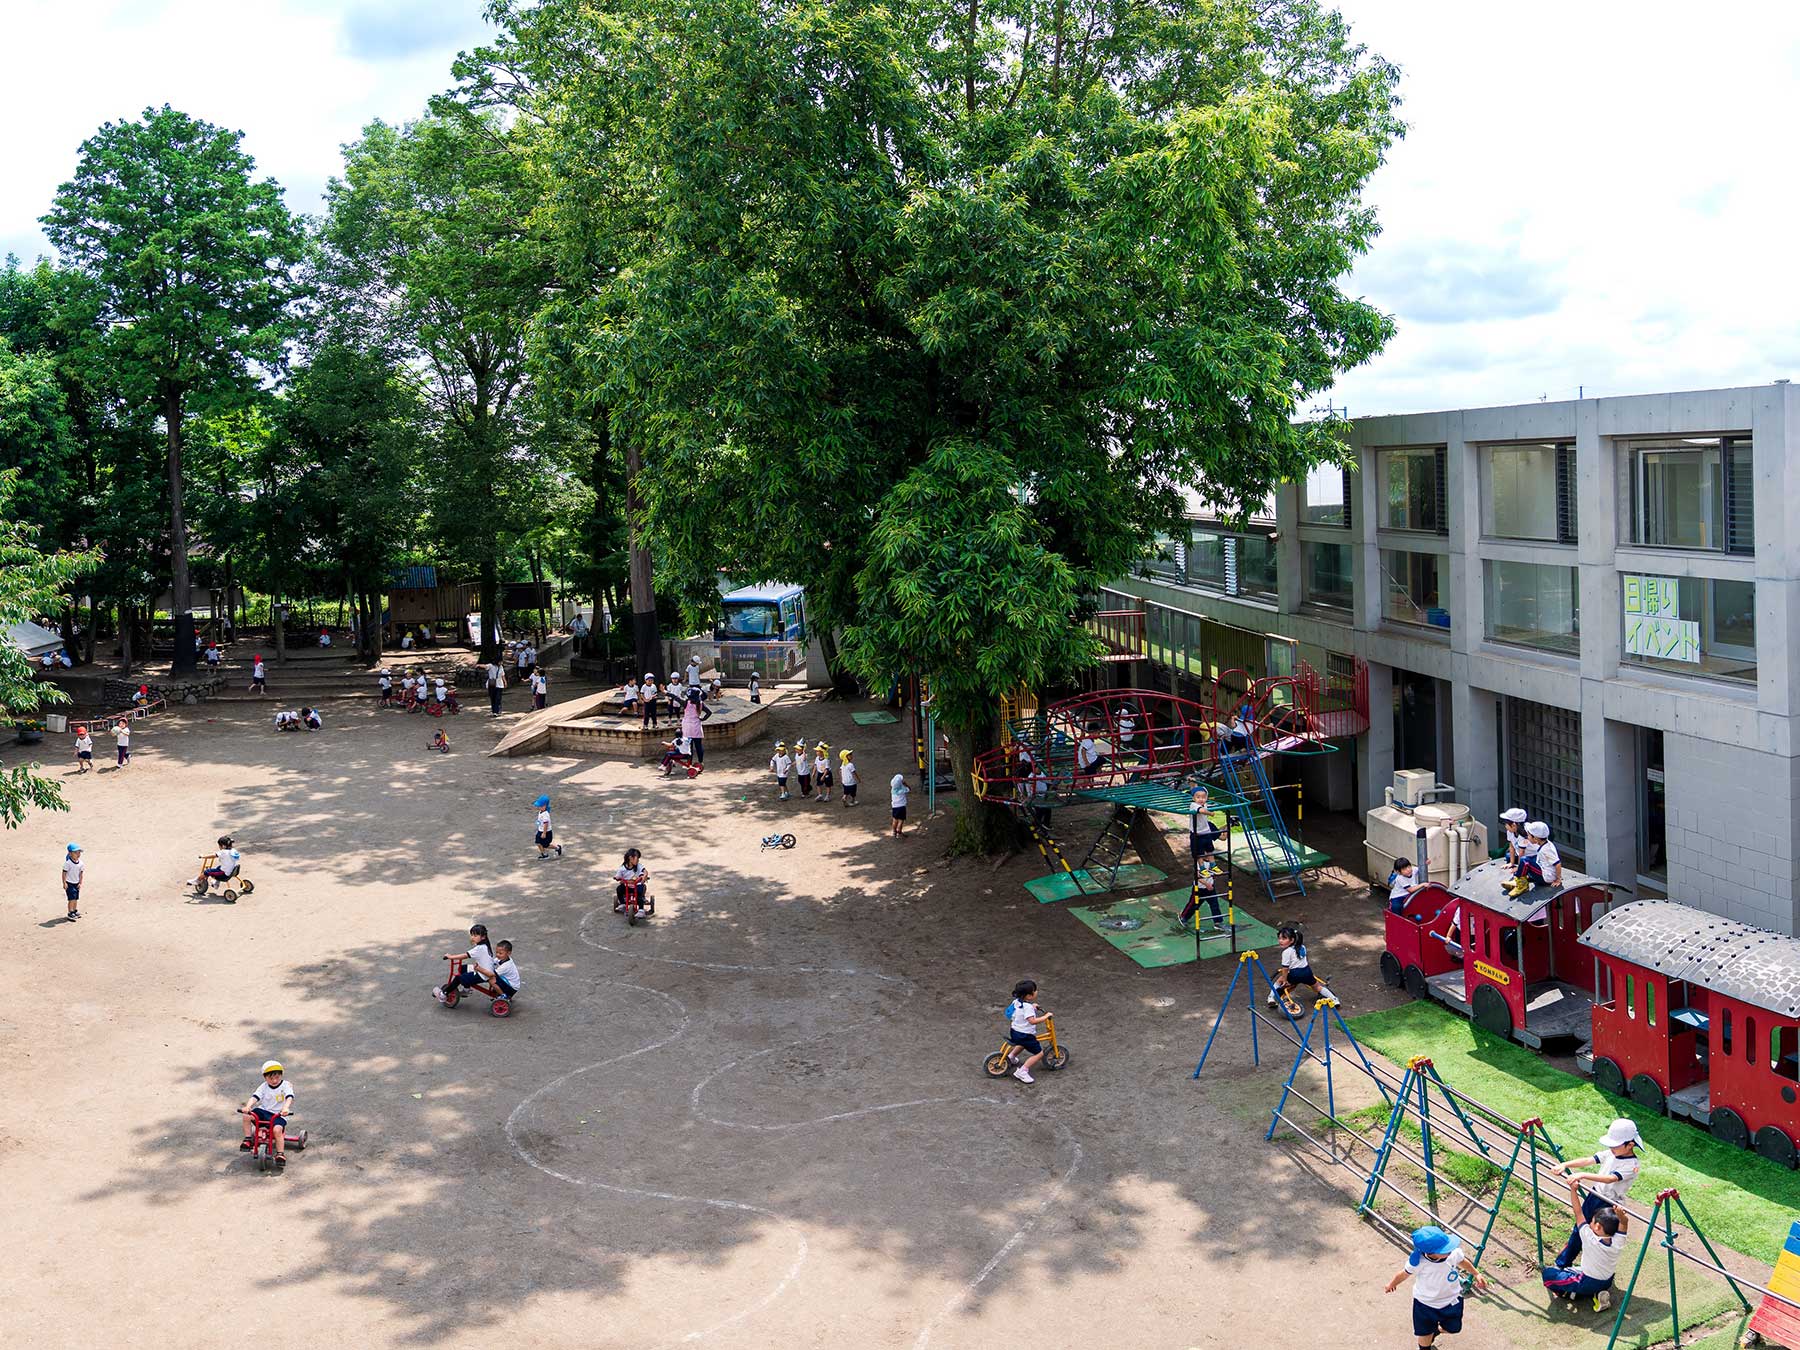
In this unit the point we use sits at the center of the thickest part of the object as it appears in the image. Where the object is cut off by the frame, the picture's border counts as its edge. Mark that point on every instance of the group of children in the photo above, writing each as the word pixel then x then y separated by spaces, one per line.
pixel 813 768
pixel 490 967
pixel 651 699
pixel 1583 1271
pixel 84 745
pixel 1531 857
pixel 306 719
pixel 416 693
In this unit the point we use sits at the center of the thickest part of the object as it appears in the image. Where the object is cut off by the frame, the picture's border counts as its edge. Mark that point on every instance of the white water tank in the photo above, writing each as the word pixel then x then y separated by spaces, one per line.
pixel 1391 832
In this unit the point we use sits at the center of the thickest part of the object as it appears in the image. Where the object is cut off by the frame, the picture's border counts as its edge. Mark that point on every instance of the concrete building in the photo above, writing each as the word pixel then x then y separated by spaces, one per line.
pixel 1586 608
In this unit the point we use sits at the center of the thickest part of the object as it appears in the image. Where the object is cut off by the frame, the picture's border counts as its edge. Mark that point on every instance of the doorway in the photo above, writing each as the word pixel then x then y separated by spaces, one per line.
pixel 1653 850
pixel 1416 720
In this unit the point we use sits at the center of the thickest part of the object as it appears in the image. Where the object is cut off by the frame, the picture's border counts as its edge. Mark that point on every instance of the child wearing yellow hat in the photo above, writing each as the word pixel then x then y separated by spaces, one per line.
pixel 847 777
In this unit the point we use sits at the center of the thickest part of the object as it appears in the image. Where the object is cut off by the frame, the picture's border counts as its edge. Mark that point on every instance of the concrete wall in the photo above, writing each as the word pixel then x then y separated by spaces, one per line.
pixel 1731 830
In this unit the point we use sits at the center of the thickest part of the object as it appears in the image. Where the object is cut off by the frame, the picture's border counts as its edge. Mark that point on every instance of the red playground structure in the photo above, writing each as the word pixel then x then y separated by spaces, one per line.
pixel 1514 965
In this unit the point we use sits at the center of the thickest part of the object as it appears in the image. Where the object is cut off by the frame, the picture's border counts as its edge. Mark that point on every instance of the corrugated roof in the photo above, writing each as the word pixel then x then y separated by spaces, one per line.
pixel 1486 883
pixel 419 577
pixel 1752 965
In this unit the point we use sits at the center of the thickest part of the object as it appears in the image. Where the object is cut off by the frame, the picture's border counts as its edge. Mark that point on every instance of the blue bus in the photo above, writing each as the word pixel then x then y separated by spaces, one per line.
pixel 771 612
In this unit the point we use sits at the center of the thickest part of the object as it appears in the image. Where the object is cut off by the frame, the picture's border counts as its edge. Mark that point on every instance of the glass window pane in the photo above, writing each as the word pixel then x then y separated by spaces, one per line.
pixel 1690 626
pixel 1680 496
pixel 1522 491
pixel 1534 605
pixel 1327 578
pixel 1410 589
pixel 1322 496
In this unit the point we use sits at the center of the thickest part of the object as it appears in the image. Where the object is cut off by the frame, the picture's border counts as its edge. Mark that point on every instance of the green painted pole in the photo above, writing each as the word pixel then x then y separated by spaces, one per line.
pixel 1669 1246
pixel 1625 1303
pixel 1676 1197
pixel 1431 1195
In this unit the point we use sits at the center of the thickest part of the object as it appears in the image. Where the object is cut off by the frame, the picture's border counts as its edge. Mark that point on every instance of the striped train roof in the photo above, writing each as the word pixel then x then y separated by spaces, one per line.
pixel 1753 965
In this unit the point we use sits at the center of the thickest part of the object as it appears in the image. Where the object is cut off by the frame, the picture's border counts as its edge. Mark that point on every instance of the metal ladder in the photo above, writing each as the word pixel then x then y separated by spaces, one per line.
pixel 1282 856
pixel 1108 852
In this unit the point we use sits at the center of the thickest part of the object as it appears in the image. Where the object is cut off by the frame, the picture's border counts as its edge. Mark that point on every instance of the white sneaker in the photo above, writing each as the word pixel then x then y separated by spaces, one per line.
pixel 437 993
pixel 1023 1077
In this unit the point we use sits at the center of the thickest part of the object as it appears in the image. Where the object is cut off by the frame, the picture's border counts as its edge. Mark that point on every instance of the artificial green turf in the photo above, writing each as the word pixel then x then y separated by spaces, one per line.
pixel 1158 942
pixel 1054 886
pixel 1738 1198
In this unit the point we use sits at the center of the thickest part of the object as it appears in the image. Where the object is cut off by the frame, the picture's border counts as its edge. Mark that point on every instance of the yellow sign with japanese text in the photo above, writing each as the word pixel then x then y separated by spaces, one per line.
pixel 1494 973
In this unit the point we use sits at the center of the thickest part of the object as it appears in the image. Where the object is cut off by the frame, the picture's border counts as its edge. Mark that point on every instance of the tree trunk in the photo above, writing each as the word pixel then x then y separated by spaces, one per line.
pixel 93 629
pixel 645 638
pixel 842 680
pixel 981 827
pixel 490 608
pixel 124 638
pixel 181 602
pixel 230 619
pixel 537 582
pixel 276 621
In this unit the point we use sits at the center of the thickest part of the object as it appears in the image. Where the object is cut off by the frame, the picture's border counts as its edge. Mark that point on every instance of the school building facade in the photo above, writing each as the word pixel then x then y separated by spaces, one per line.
pixel 1586 608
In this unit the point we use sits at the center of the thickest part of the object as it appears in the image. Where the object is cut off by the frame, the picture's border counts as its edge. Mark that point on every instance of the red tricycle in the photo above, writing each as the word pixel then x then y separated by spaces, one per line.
pixel 635 901
pixel 455 988
pixel 262 1140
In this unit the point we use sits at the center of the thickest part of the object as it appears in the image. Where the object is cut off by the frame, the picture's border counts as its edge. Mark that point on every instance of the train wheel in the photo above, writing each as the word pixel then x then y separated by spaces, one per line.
pixel 1391 974
pixel 1773 1143
pixel 1728 1127
pixel 1648 1093
pixel 1491 1012
pixel 1609 1077
pixel 1415 982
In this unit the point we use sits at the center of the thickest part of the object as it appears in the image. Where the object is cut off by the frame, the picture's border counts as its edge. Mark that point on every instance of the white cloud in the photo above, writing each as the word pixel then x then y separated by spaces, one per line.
pixel 298 77
pixel 1593 195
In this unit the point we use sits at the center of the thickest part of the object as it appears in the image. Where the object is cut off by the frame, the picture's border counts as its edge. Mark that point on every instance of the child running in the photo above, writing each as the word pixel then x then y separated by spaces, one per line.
pixel 122 739
pixel 781 764
pixel 897 795
pixel 259 676
pixel 1437 1265
pixel 1023 1019
pixel 480 967
pixel 84 750
pixel 632 872
pixel 821 767
pixel 847 776
pixel 73 869
pixel 546 839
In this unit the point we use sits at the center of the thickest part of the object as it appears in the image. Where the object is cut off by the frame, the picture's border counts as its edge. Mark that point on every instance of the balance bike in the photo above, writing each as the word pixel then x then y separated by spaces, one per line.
pixel 501 1005
pixel 262 1139
pixel 778 841
pixel 1009 1056
pixel 229 889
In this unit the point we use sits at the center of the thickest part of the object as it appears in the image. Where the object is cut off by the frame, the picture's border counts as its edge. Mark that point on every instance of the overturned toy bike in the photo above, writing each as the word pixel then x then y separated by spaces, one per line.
pixel 778 841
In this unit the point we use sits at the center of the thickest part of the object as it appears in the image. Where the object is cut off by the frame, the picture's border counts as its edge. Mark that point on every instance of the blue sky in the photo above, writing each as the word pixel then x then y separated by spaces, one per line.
pixel 1595 194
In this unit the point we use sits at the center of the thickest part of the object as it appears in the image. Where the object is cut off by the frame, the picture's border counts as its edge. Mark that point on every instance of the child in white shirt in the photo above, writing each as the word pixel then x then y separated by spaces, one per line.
pixel 73 869
pixel 803 768
pixel 1437 1265
pixel 1023 1018
pixel 84 750
pixel 632 872
pixel 506 970
pixel 821 767
pixel 479 967
pixel 122 738
pixel 755 687
pixel 847 777
pixel 897 795
pixel 546 839
pixel 386 685
pixel 781 764
pixel 272 1103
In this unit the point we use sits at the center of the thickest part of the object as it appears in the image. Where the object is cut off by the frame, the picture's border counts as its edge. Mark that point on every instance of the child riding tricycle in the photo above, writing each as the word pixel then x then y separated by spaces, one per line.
pixel 223 869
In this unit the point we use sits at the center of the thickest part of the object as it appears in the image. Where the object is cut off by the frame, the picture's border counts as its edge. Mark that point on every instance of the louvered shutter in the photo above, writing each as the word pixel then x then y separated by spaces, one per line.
pixel 1740 498
pixel 1440 461
pixel 1568 521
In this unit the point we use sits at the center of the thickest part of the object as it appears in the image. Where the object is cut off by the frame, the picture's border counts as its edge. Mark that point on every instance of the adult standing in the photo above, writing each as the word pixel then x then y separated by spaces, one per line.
pixel 496 681
pixel 693 725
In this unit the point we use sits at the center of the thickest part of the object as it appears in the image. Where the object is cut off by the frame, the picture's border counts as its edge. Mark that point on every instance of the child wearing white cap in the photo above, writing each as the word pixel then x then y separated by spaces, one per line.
pixel 1539 862
pixel 781 764
pixel 897 795
pixel 1513 821
pixel 1615 1167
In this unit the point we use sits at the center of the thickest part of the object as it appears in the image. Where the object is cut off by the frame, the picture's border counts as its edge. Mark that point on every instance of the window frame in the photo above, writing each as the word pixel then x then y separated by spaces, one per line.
pixel 1728 491
pixel 1434 515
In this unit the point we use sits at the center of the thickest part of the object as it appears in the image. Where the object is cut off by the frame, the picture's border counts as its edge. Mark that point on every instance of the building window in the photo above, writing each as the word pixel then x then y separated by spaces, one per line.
pixel 1694 493
pixel 1325 496
pixel 1327 578
pixel 1530 492
pixel 1410 588
pixel 1690 625
pixel 1543 769
pixel 1234 564
pixel 1414 492
pixel 1533 605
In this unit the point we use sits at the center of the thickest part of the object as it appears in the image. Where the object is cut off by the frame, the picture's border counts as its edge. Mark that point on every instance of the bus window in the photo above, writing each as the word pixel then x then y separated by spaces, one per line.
pixel 1725 1032
pixel 1630 998
pixel 1784 1052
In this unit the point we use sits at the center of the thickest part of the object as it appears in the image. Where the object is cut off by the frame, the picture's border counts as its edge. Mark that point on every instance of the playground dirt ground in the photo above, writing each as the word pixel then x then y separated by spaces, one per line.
pixel 758 1119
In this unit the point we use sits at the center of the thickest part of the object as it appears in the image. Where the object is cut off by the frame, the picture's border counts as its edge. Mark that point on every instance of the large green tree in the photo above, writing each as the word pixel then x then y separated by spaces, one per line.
pixel 428 242
pixel 1063 258
pixel 190 257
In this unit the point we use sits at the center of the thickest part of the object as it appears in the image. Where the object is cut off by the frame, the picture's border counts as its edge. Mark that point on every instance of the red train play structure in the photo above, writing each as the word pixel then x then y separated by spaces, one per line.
pixel 1683 1012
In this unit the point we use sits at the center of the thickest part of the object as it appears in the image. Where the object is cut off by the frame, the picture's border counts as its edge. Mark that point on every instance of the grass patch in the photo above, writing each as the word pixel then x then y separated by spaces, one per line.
pixel 1738 1198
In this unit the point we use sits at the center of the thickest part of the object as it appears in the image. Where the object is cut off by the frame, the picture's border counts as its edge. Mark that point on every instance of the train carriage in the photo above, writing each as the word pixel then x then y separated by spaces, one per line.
pixel 1700 1016
pixel 1512 964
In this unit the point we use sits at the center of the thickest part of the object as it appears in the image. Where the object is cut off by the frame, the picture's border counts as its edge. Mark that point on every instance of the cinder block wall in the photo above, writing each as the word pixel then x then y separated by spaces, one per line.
pixel 1731 830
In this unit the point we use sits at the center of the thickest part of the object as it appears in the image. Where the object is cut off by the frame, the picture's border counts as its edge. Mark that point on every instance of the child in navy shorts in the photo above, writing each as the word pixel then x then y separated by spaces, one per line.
pixel 1437 1265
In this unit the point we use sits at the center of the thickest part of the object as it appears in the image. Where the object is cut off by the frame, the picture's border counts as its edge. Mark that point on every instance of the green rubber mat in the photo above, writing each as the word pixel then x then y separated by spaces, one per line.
pixel 1144 929
pixel 872 719
pixel 1244 860
pixel 1067 885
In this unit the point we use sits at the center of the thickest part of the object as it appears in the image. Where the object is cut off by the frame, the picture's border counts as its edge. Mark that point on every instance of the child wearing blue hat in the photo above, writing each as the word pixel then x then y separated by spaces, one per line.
pixel 546 840
pixel 1437 1265
pixel 73 868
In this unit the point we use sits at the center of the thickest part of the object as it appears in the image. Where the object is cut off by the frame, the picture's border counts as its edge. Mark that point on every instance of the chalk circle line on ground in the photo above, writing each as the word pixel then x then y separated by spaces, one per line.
pixel 523 1110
